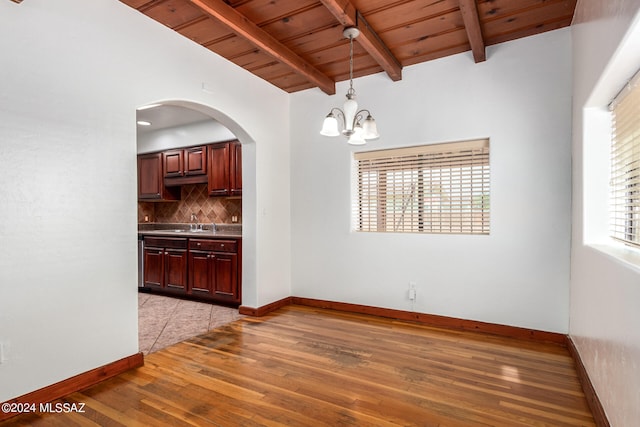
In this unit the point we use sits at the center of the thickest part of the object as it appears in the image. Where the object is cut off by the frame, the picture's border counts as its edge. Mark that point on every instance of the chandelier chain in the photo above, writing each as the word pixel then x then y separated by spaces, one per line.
pixel 351 62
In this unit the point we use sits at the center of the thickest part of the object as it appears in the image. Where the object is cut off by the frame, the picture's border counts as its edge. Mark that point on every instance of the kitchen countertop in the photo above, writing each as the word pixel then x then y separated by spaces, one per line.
pixel 207 234
pixel 224 231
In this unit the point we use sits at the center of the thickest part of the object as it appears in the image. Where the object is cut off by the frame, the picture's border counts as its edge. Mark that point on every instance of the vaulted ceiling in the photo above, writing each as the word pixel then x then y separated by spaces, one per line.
pixel 298 44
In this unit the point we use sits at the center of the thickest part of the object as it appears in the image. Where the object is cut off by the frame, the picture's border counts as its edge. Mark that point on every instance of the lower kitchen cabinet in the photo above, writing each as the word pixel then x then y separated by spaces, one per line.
pixel 206 269
pixel 165 264
pixel 213 269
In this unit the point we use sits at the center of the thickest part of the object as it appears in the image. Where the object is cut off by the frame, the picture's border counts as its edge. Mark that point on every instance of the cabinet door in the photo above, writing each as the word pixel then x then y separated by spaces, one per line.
pixel 149 177
pixel 150 181
pixel 200 273
pixel 218 176
pixel 195 161
pixel 175 269
pixel 226 276
pixel 235 169
pixel 153 267
pixel 172 163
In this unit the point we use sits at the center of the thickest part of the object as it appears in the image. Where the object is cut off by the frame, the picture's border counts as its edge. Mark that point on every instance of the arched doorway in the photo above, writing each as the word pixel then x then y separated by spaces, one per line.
pixel 180 123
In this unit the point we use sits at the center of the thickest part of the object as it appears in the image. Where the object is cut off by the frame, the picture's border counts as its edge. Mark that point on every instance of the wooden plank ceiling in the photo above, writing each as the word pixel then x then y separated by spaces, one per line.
pixel 298 44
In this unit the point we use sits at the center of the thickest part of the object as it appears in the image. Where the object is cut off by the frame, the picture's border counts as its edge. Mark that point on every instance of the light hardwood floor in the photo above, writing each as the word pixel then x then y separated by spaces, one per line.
pixel 302 366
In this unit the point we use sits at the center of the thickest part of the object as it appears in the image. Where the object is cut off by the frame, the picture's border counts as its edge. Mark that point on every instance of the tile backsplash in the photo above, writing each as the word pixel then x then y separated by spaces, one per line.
pixel 194 199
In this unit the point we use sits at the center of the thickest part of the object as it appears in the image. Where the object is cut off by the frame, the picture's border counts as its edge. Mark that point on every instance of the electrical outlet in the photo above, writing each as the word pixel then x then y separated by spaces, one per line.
pixel 2 353
pixel 412 291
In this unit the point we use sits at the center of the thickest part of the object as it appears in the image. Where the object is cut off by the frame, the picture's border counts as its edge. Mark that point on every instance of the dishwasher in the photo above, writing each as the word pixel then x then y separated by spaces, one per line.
pixel 140 260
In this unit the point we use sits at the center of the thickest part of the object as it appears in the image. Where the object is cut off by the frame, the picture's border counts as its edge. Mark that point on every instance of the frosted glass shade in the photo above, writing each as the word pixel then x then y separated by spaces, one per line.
pixel 369 128
pixel 356 138
pixel 330 126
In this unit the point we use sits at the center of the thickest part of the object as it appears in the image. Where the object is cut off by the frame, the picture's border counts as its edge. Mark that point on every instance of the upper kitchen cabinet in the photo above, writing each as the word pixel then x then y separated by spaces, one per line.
pixel 235 169
pixel 150 179
pixel 225 169
pixel 219 169
pixel 185 166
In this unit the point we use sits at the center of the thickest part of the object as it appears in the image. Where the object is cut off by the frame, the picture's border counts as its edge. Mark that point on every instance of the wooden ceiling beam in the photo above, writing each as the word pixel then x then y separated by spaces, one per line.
pixel 471 20
pixel 241 25
pixel 346 13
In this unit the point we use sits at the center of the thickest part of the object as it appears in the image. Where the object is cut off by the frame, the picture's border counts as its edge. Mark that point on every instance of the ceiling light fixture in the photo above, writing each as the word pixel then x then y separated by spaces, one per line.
pixel 143 123
pixel 353 127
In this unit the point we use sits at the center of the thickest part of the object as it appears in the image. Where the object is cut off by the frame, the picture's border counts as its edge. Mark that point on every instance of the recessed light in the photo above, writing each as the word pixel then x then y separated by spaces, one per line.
pixel 143 123
pixel 146 107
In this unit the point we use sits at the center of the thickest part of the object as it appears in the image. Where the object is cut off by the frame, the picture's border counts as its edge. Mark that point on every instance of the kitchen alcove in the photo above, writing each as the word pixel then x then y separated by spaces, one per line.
pixel 164 320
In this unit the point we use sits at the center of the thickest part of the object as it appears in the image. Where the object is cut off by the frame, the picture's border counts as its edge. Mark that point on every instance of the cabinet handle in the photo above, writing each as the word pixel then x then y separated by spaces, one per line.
pixel 222 245
pixel 199 244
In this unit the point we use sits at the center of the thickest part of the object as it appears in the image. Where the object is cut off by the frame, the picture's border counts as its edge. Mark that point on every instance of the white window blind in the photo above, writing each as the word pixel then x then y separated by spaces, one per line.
pixel 437 188
pixel 624 203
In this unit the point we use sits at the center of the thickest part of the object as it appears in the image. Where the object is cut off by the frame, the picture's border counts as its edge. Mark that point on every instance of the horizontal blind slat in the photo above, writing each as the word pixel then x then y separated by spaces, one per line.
pixel 624 199
pixel 439 188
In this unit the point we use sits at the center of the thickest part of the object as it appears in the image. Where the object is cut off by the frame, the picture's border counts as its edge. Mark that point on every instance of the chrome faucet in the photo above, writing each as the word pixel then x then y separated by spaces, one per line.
pixel 214 227
pixel 194 222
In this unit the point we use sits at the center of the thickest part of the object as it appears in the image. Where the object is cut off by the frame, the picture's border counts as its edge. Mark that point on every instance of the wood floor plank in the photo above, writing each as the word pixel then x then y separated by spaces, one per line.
pixel 305 366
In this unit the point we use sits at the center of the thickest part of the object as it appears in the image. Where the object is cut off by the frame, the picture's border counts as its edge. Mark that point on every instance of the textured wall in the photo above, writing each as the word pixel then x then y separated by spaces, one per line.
pixel 605 277
pixel 68 288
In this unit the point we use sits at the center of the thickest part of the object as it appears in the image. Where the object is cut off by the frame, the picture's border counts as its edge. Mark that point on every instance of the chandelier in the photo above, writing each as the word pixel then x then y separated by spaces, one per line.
pixel 357 130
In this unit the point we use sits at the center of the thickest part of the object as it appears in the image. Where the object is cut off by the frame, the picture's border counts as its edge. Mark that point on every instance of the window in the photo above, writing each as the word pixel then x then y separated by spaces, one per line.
pixel 624 203
pixel 437 188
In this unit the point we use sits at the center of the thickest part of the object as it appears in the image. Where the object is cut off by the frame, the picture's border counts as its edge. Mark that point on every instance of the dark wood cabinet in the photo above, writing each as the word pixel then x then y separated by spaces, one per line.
pixel 175 269
pixel 195 161
pixel 235 169
pixel 207 269
pixel 153 268
pixel 165 264
pixel 225 169
pixel 150 179
pixel 225 276
pixel 185 162
pixel 219 165
pixel 172 163
pixel 218 177
pixel 200 273
pixel 213 269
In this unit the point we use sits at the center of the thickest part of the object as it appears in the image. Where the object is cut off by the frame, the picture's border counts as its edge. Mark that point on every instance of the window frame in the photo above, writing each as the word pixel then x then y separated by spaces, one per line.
pixel 624 172
pixel 380 199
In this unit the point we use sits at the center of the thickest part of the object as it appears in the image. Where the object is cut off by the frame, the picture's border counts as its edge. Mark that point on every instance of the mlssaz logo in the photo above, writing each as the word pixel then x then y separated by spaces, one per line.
pixel 62 407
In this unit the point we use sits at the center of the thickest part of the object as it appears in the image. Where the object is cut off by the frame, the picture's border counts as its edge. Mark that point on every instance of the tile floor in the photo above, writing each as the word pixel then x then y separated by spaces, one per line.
pixel 163 321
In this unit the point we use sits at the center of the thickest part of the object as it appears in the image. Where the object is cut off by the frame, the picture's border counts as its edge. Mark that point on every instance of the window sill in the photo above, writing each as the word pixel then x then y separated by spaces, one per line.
pixel 626 255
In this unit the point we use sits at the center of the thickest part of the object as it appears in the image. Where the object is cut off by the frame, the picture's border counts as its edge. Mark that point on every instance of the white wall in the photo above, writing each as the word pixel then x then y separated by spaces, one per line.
pixel 204 132
pixel 518 275
pixel 605 278
pixel 72 74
